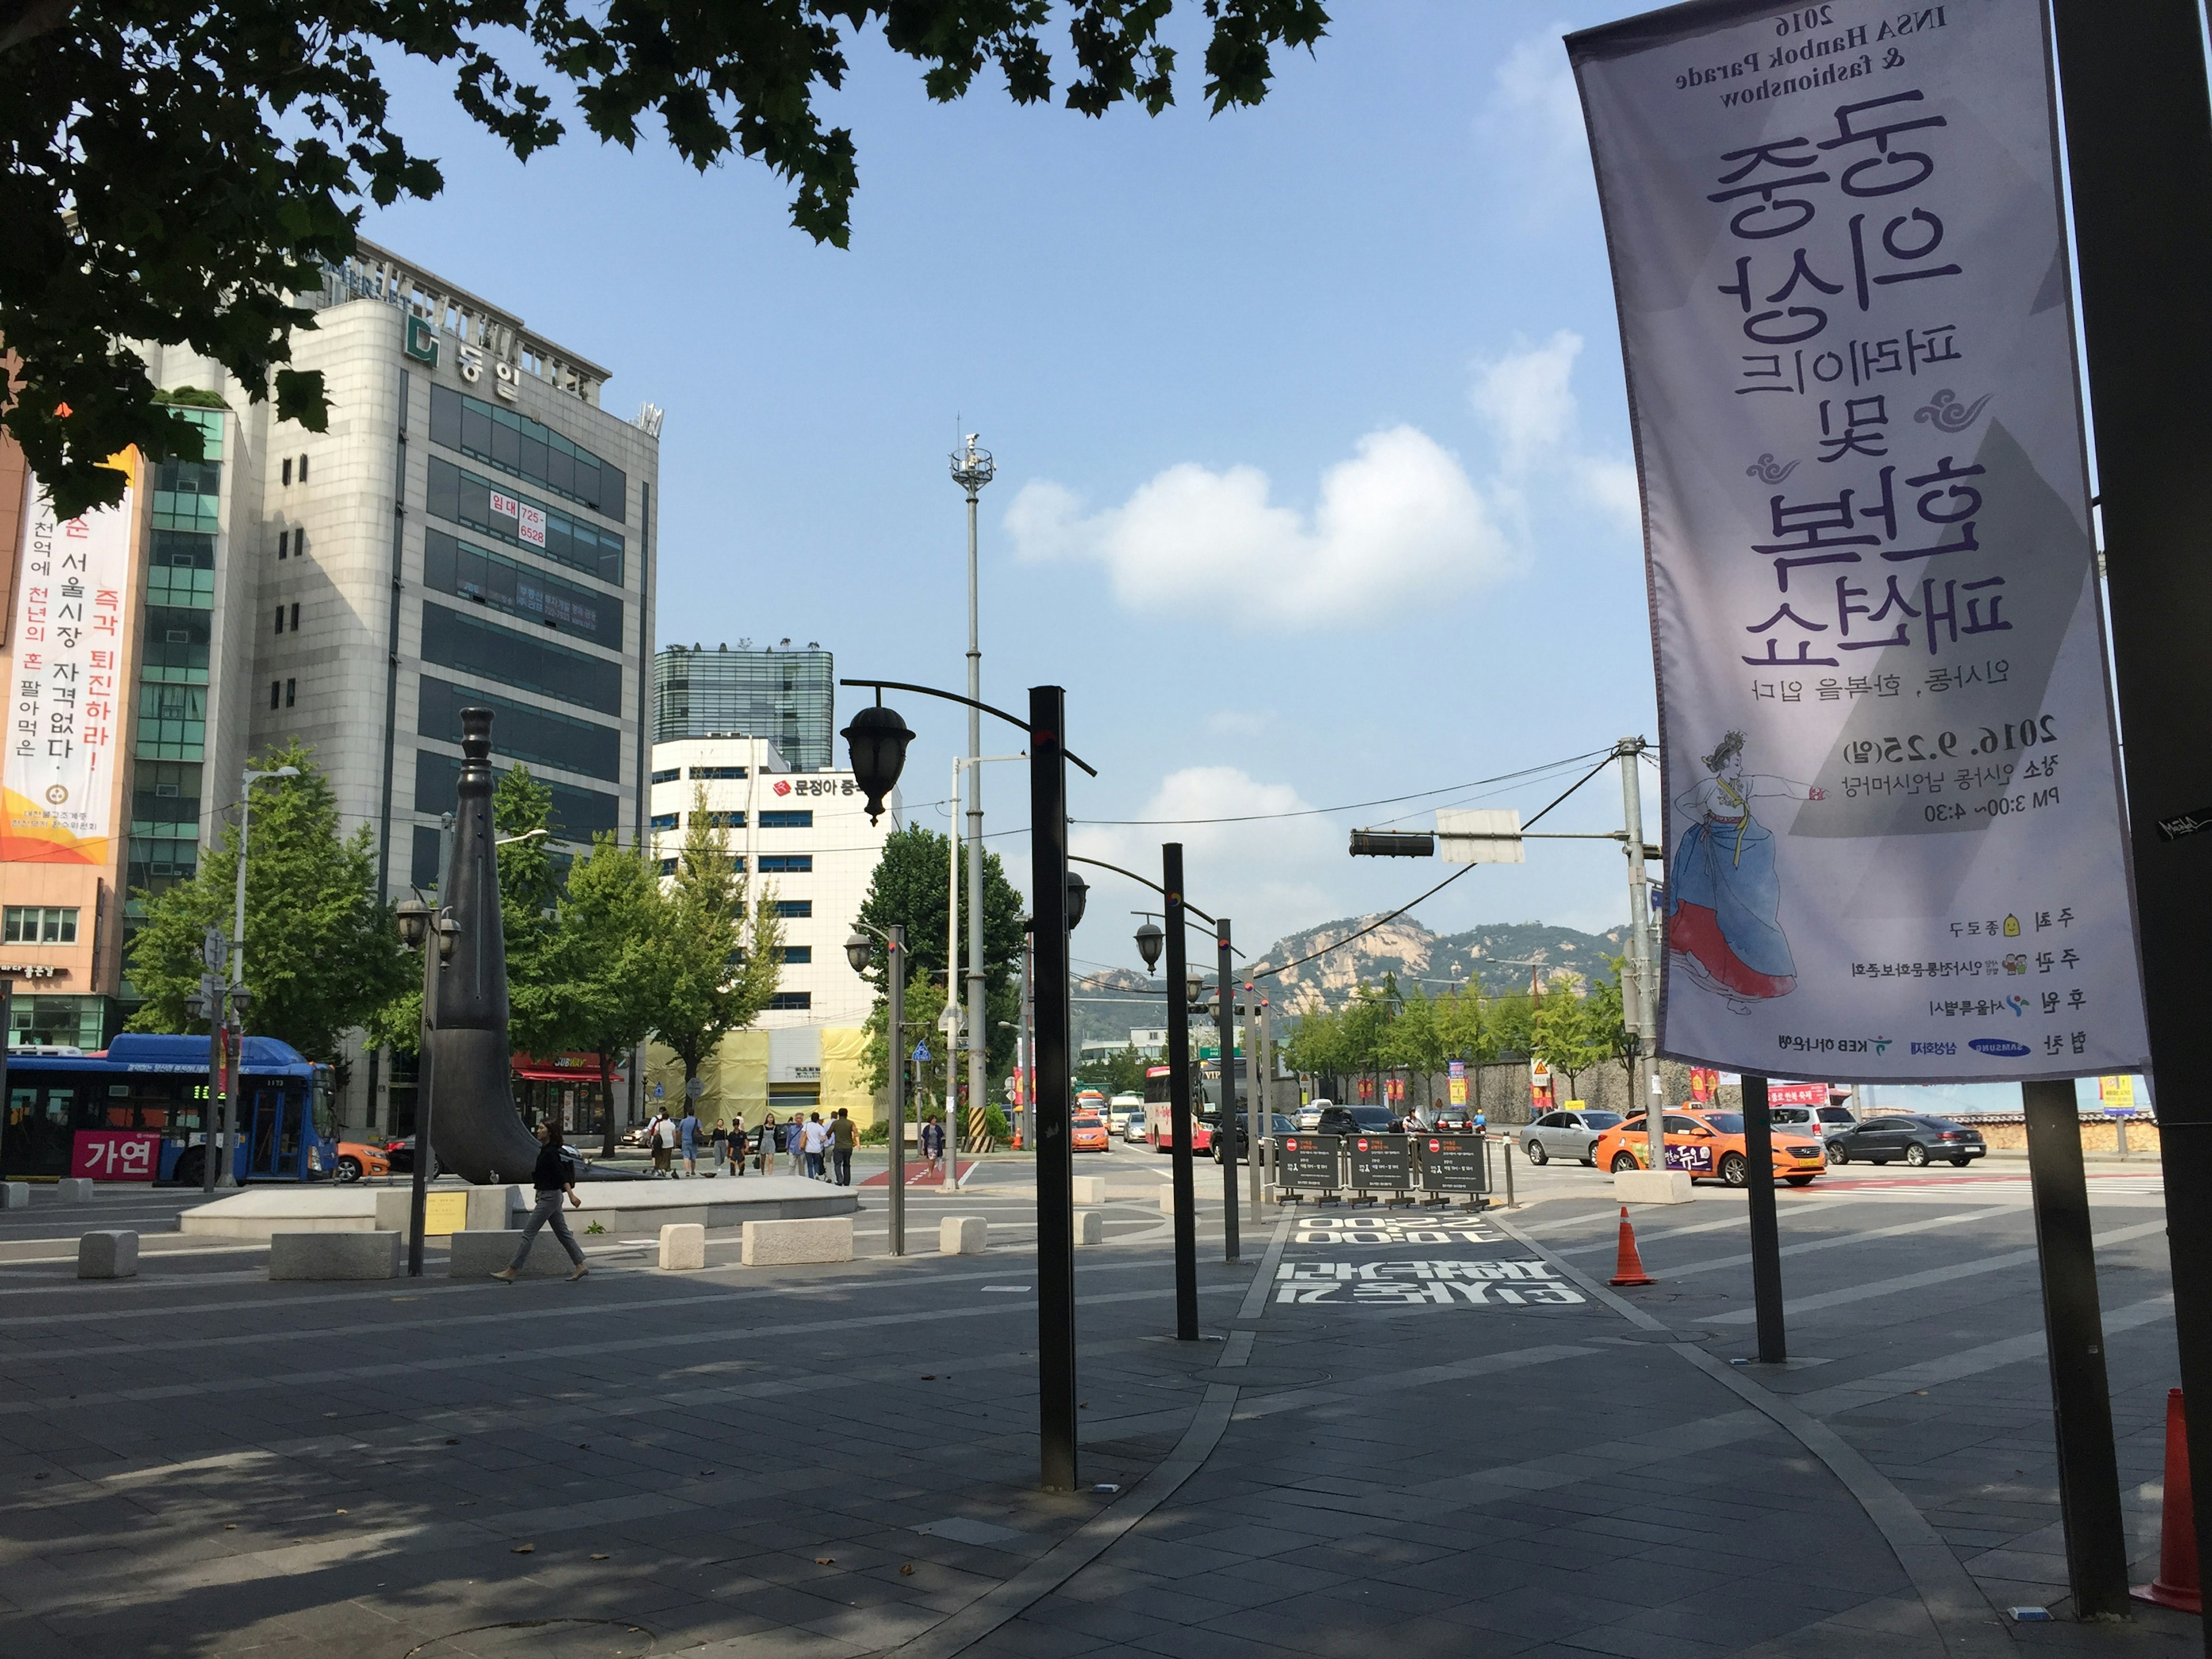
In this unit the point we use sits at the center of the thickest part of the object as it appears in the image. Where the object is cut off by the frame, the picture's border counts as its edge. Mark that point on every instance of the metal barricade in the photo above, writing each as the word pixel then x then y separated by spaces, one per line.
pixel 1380 1162
pixel 1455 1163
pixel 1310 1166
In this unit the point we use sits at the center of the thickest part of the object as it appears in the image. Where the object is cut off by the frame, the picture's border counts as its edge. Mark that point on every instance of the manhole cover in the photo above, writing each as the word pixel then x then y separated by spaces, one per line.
pixel 542 1638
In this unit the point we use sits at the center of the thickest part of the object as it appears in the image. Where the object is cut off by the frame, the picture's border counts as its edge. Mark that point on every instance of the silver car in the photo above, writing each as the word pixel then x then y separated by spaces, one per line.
pixel 1565 1135
pixel 1308 1116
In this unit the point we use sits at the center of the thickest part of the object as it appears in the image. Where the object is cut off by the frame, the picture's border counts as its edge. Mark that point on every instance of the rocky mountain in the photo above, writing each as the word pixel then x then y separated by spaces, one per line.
pixel 1501 955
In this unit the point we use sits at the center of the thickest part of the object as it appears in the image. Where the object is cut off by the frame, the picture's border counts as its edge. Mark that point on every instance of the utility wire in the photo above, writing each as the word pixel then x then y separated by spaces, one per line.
pixel 1354 807
pixel 1270 973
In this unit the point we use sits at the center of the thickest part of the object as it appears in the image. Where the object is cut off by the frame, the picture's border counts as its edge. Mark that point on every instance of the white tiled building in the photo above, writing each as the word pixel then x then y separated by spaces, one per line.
pixel 806 836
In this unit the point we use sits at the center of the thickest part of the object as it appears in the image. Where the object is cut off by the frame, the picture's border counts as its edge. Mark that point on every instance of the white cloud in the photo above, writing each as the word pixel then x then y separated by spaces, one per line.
pixel 1264 874
pixel 1532 134
pixel 1527 399
pixel 1398 523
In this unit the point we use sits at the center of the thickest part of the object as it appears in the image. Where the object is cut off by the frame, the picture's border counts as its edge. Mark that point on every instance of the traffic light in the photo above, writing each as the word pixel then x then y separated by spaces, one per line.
pixel 1392 844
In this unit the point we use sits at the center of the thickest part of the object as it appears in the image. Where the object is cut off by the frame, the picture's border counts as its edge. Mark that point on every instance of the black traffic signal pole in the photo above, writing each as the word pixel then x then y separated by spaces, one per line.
pixel 2139 147
pixel 1225 1136
pixel 1055 1169
pixel 1186 1197
pixel 1766 1238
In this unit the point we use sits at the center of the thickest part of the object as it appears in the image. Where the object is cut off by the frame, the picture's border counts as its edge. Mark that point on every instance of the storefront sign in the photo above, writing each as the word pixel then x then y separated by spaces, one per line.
pixel 1891 813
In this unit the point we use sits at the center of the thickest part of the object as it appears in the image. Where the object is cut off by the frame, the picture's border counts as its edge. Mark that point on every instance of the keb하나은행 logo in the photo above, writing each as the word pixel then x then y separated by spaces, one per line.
pixel 2003 1047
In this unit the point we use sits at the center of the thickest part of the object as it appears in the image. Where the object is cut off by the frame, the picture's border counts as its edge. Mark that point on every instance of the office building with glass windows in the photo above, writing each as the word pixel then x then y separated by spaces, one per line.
pixel 473 528
pixel 785 694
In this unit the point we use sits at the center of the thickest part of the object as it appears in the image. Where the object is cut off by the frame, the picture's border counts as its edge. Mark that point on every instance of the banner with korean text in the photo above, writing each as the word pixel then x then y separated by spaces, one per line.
pixel 1892 826
pixel 66 690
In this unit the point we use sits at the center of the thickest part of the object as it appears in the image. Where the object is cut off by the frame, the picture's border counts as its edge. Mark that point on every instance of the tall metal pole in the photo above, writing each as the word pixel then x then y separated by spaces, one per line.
pixel 2073 1338
pixel 1766 1241
pixel 1055 1166
pixel 1637 1001
pixel 2138 138
pixel 971 470
pixel 895 969
pixel 425 1069
pixel 951 1027
pixel 1025 1052
pixel 215 1170
pixel 1258 1072
pixel 1179 1127
pixel 1224 987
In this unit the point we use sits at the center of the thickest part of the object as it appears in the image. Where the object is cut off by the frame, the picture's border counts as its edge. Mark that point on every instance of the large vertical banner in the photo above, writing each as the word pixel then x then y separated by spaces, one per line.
pixel 1892 824
pixel 66 693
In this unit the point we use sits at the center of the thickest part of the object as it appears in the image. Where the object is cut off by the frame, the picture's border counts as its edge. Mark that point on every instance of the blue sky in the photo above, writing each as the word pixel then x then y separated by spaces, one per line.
pixel 1313 459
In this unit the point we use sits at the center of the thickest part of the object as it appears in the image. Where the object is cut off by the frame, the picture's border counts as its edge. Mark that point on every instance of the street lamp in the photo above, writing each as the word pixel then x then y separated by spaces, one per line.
pixel 877 742
pixel 1149 941
pixel 418 924
pixel 1078 895
pixel 860 951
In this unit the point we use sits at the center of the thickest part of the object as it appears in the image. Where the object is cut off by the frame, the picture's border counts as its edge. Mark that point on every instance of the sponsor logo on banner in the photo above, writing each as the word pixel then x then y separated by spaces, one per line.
pixel 530 526
pixel 1889 773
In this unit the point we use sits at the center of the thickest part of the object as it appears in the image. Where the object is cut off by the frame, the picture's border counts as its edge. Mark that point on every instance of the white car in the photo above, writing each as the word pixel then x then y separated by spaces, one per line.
pixel 1133 1131
pixel 1308 1116
pixel 1819 1121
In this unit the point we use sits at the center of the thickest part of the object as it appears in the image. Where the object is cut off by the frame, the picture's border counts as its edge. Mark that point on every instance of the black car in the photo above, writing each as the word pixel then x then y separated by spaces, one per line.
pixel 1279 1124
pixel 1918 1140
pixel 1356 1121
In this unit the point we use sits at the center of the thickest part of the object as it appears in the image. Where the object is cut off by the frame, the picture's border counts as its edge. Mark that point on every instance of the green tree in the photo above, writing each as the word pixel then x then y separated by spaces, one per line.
pixel 1121 1073
pixel 1608 1018
pixel 1415 1040
pixel 321 954
pixel 179 172
pixel 608 930
pixel 908 889
pixel 714 969
pixel 1569 1034
pixel 540 1004
pixel 925 1003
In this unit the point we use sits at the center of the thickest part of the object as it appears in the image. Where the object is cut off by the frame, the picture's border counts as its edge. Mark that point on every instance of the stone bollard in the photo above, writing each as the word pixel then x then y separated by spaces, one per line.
pixel 962 1235
pixel 74 1189
pixel 107 1255
pixel 1167 1200
pixel 493 1209
pixel 1090 1189
pixel 1090 1227
pixel 14 1195
pixel 683 1247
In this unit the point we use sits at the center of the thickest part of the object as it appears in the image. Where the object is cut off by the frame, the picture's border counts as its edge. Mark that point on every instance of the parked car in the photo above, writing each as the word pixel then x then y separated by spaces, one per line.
pixel 1822 1121
pixel 1308 1116
pixel 1278 1125
pixel 1918 1140
pixel 1444 1117
pixel 357 1159
pixel 1707 1143
pixel 1565 1135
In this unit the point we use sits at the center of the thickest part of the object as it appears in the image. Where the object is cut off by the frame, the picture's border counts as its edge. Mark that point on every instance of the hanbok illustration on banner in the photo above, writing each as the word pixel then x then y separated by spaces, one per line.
pixel 1723 923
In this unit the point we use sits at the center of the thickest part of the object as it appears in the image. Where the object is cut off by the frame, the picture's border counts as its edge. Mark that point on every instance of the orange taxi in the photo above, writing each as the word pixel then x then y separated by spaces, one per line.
pixel 357 1159
pixel 1089 1133
pixel 1708 1144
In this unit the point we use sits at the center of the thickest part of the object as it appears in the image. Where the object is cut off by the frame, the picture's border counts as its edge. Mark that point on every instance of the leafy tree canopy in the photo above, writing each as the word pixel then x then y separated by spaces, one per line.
pixel 321 954
pixel 1121 1073
pixel 178 172
pixel 714 970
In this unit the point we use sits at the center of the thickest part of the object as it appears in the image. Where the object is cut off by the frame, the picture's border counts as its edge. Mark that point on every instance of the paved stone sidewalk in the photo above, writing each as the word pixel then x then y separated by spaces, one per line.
pixel 1420 1436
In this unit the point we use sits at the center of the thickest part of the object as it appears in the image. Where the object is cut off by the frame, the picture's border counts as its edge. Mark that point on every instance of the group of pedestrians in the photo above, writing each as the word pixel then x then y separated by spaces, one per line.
pixel 821 1150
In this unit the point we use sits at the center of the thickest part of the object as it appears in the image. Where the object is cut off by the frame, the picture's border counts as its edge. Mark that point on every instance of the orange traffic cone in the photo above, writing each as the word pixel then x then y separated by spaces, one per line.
pixel 1628 1267
pixel 2177 1585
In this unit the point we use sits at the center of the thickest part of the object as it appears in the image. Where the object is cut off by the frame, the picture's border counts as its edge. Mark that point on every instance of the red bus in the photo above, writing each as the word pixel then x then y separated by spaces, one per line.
pixel 1159 1128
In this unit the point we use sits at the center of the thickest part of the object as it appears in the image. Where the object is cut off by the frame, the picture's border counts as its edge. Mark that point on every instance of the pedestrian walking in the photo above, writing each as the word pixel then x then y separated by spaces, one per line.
pixel 767 1144
pixel 843 1136
pixel 718 1143
pixel 689 1130
pixel 933 1144
pixel 814 1142
pixel 735 1146
pixel 660 1136
pixel 553 1180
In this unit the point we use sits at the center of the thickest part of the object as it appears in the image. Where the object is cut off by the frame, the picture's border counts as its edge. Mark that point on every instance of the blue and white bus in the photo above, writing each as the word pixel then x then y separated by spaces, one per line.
pixel 136 1113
